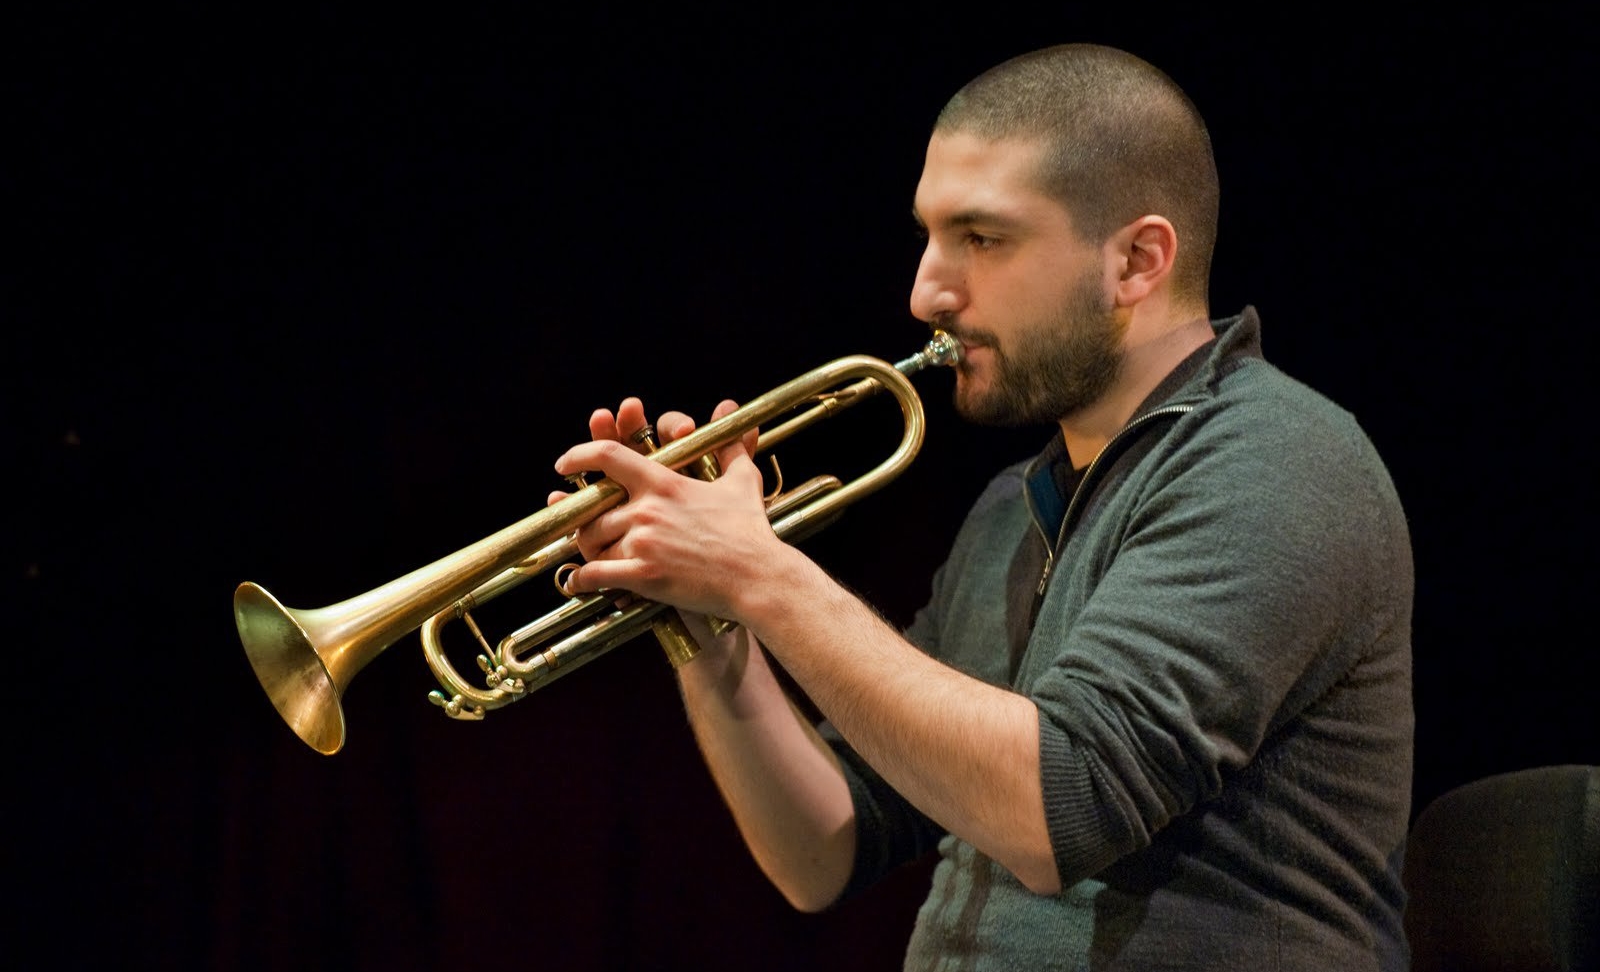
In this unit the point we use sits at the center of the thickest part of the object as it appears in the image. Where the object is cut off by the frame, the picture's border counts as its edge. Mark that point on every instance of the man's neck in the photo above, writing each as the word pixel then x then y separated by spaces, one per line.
pixel 1144 365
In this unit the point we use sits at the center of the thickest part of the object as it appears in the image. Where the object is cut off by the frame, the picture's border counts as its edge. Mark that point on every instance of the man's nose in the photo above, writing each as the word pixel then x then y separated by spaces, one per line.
pixel 937 289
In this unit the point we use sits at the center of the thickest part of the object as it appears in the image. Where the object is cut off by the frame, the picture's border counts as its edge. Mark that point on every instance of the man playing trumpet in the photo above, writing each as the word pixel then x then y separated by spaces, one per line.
pixel 1156 712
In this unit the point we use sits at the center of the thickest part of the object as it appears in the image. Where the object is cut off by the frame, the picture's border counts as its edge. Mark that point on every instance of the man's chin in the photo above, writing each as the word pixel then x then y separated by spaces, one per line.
pixel 968 392
pixel 973 405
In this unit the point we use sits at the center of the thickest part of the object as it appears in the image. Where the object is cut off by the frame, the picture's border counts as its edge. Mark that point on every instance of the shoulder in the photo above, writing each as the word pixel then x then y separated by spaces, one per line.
pixel 1284 418
pixel 1271 450
pixel 1241 394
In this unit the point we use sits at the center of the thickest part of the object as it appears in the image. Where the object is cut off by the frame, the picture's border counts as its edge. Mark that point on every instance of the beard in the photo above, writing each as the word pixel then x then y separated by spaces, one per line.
pixel 1052 368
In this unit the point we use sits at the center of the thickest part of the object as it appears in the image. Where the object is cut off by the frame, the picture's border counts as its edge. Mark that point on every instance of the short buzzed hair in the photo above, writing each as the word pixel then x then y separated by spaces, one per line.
pixel 1122 141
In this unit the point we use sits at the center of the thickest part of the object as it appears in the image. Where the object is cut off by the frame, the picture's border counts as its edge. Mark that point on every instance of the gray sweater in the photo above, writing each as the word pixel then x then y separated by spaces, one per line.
pixel 1221 661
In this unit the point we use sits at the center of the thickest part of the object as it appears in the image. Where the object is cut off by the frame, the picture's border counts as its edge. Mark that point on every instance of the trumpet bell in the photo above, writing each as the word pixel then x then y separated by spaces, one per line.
pixel 290 669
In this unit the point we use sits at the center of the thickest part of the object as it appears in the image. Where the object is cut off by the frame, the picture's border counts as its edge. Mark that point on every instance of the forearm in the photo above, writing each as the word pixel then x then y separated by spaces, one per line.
pixel 964 752
pixel 780 780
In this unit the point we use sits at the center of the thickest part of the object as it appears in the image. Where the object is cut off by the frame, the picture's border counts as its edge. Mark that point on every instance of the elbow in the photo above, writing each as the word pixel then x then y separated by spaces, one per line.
pixel 808 896
pixel 1030 857
pixel 808 901
pixel 811 885
pixel 1036 872
pixel 1041 881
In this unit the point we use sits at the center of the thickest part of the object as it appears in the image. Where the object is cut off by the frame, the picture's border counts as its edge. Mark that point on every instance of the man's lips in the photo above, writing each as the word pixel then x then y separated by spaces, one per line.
pixel 967 342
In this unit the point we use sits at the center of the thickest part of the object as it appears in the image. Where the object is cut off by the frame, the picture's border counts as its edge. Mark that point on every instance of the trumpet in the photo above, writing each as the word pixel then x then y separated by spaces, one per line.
pixel 305 659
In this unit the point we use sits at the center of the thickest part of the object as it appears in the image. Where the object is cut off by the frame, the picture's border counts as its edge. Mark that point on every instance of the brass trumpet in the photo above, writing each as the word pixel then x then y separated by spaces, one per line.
pixel 306 658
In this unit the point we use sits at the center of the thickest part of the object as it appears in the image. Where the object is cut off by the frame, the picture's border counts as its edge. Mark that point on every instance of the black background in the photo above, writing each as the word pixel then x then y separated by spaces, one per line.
pixel 312 302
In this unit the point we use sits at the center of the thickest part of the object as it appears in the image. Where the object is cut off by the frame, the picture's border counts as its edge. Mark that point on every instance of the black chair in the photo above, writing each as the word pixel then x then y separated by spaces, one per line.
pixel 1503 874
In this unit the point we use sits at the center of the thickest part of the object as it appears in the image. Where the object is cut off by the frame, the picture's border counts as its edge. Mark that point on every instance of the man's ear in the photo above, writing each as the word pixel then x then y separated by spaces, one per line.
pixel 1144 250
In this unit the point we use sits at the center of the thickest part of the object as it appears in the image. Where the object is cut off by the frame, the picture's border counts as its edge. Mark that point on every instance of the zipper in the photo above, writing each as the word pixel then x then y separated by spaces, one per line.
pixel 1084 485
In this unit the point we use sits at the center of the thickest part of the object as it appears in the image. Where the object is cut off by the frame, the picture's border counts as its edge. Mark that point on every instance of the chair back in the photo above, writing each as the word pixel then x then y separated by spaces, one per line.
pixel 1503 874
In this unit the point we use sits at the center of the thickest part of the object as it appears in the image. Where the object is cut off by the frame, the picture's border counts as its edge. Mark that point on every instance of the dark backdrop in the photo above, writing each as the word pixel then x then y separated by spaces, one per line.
pixel 313 302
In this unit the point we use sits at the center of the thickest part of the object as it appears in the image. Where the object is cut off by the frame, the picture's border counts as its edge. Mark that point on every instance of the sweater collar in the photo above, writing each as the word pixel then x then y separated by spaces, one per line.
pixel 1238 339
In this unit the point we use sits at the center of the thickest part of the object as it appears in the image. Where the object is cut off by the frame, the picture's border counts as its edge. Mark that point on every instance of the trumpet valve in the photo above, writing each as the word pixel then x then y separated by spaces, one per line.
pixel 703 467
pixel 645 439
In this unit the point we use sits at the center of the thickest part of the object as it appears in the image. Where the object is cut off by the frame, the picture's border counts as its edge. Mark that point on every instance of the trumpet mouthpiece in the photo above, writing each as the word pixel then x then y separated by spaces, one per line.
pixel 941 349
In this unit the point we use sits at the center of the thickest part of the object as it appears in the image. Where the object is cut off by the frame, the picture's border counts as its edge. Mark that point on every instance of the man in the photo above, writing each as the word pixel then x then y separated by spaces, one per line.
pixel 1157 712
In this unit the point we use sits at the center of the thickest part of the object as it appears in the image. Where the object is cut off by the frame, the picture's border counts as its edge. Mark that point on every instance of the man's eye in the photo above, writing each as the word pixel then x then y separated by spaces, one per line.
pixel 980 242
